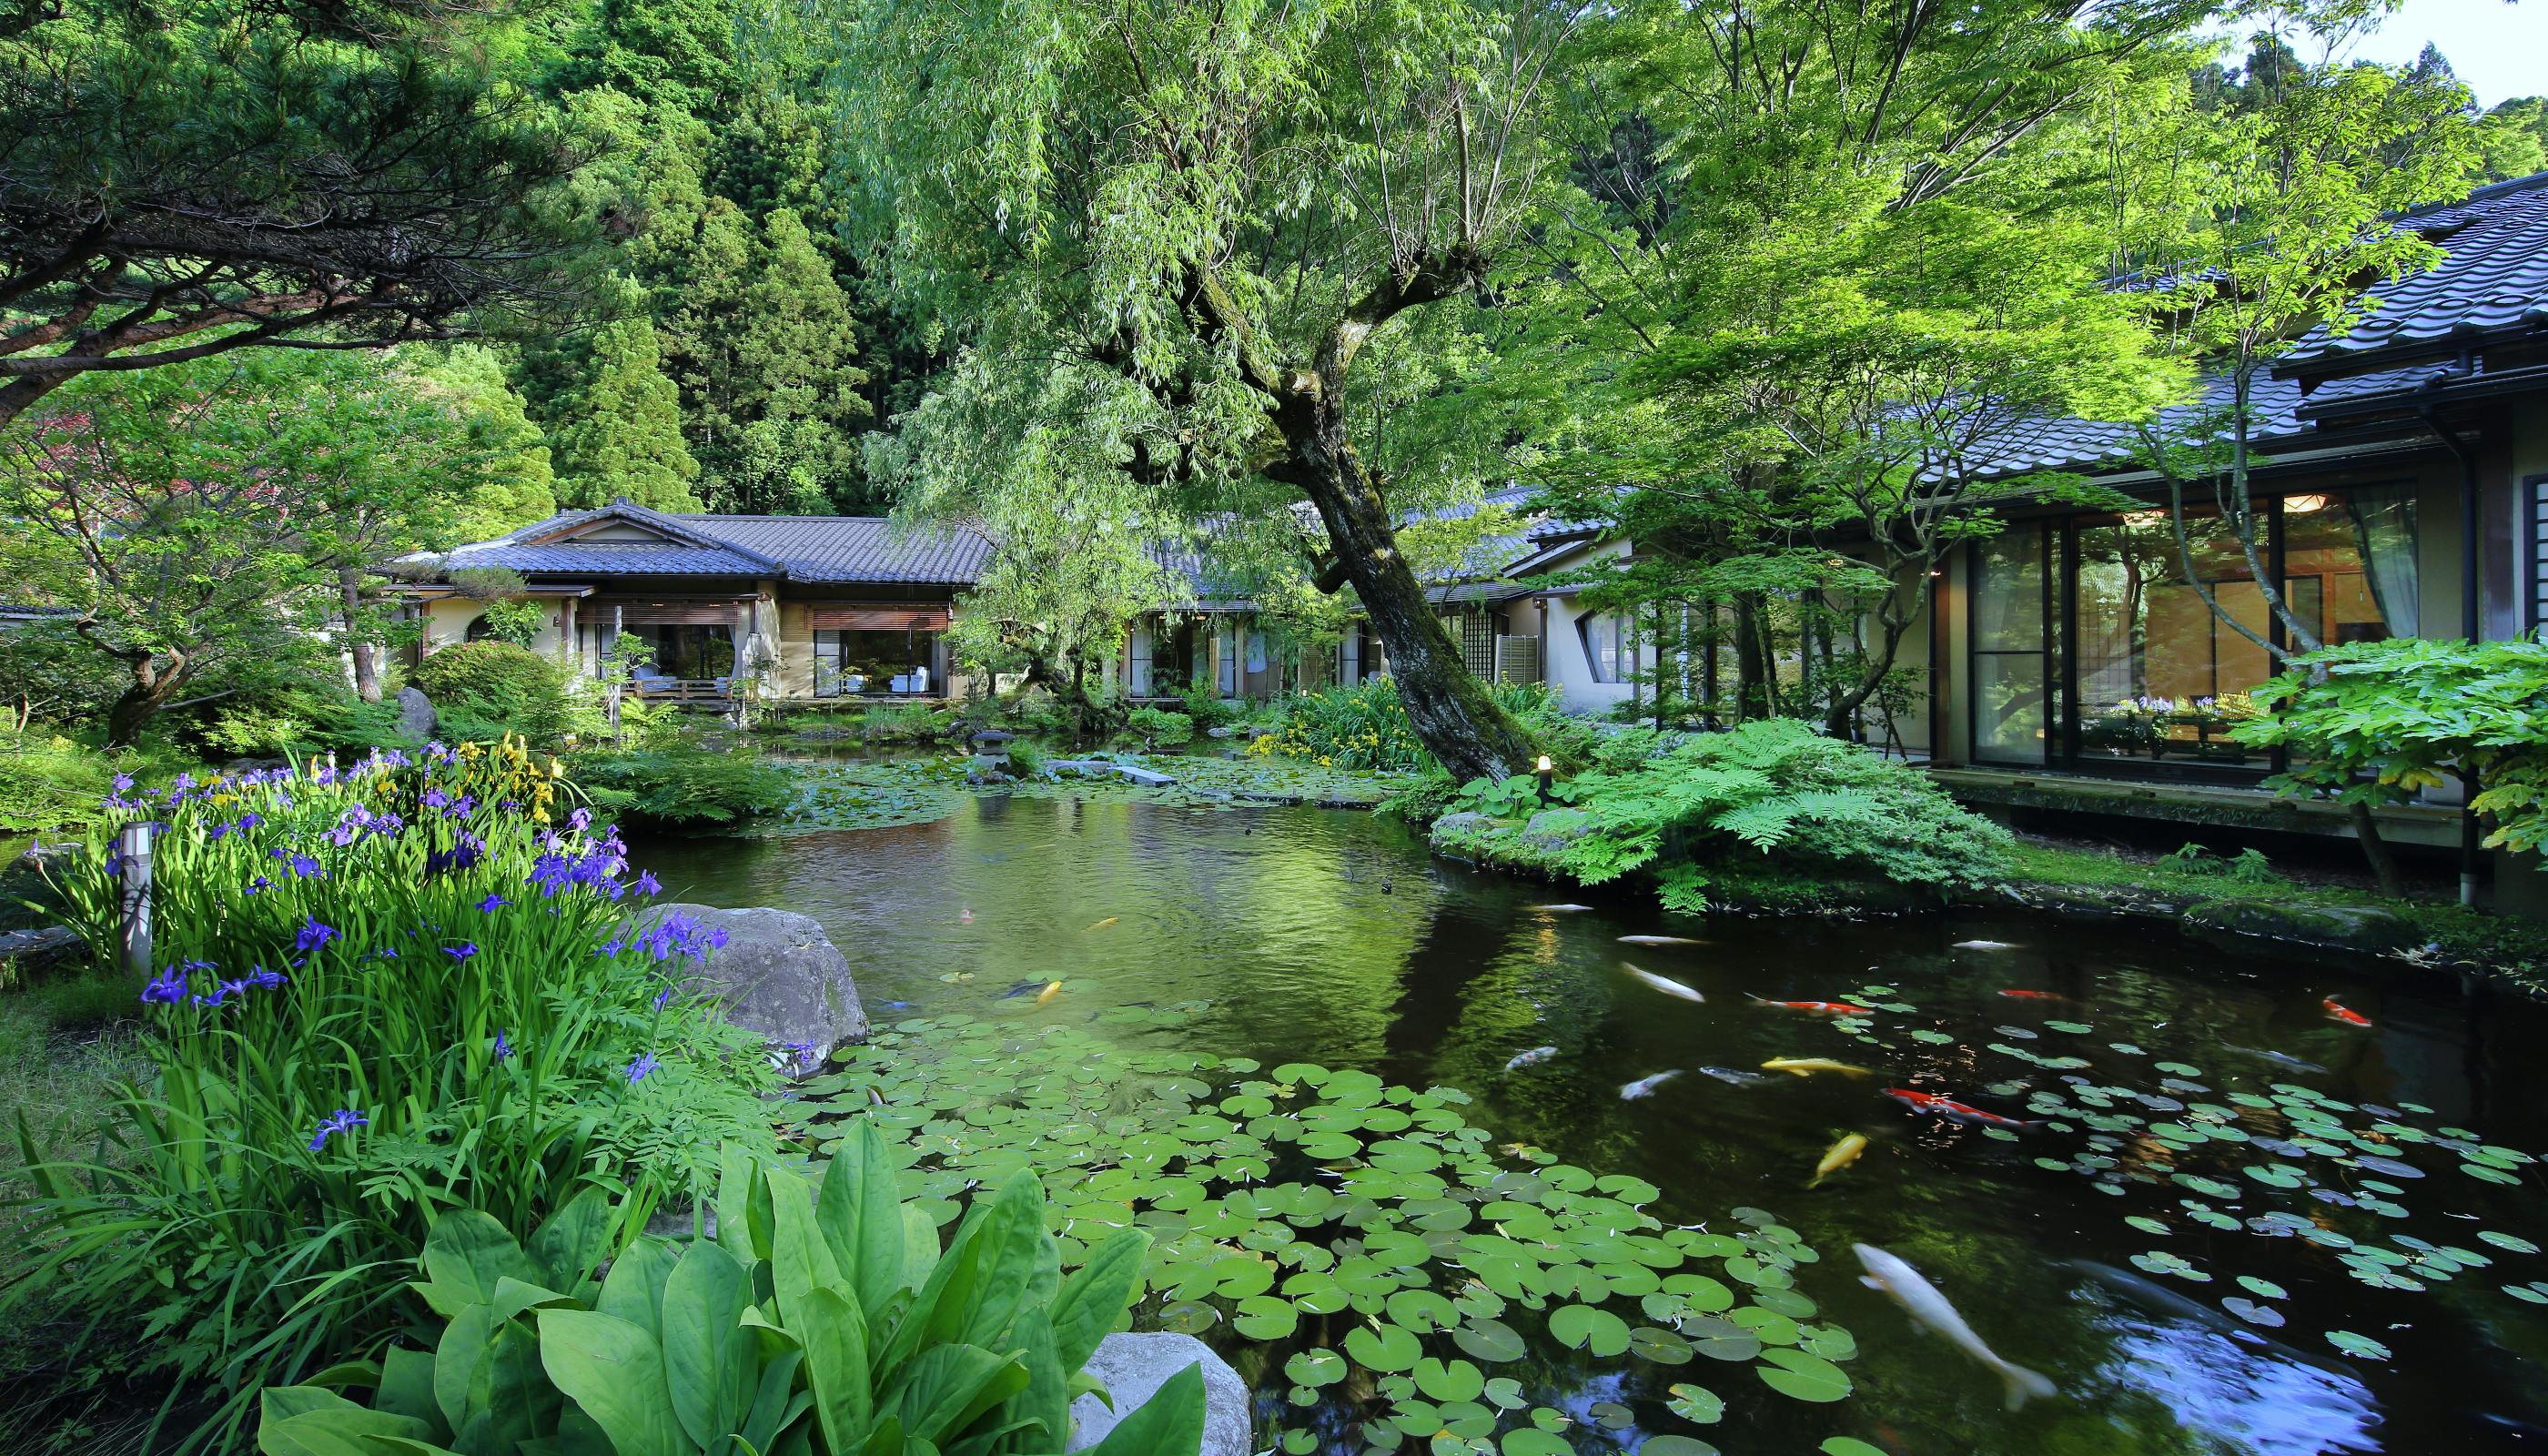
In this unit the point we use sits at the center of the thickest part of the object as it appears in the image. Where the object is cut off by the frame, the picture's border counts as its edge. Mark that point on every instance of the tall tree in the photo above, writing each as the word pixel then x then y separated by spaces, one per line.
pixel 627 441
pixel 181 180
pixel 217 510
pixel 518 484
pixel 1225 206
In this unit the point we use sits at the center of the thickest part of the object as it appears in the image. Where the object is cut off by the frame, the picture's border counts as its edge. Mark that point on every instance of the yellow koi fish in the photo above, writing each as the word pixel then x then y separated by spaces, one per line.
pixel 1840 1155
pixel 1806 1067
pixel 1050 992
pixel 1109 920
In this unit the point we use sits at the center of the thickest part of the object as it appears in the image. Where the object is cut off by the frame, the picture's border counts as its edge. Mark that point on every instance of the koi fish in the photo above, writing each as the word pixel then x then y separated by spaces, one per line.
pixel 1533 1057
pixel 1730 1078
pixel 2016 995
pixel 2280 1059
pixel 1665 984
pixel 1889 1275
pixel 1984 945
pixel 1645 1086
pixel 1109 920
pixel 1818 1008
pixel 1947 1107
pixel 1566 909
pixel 1659 941
pixel 1838 1156
pixel 2348 1016
pixel 1050 992
pixel 1022 989
pixel 964 917
pixel 1806 1067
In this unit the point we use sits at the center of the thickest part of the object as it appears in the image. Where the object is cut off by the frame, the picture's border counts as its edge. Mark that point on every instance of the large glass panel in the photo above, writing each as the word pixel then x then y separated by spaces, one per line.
pixel 2011 722
pixel 2161 674
pixel 2349 564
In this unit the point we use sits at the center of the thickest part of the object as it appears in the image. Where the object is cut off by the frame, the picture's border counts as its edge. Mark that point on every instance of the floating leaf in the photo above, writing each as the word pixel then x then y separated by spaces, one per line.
pixel 1696 1404
pixel 1582 1327
pixel 2361 1346
pixel 1492 1340
pixel 1801 1376
pixel 1382 1346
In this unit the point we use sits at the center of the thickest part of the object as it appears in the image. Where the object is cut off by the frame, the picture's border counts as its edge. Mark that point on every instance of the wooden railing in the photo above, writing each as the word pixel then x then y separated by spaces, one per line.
pixel 685 689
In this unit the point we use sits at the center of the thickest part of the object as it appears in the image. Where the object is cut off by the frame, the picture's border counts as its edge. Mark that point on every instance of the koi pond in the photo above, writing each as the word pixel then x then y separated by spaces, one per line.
pixel 2214 1216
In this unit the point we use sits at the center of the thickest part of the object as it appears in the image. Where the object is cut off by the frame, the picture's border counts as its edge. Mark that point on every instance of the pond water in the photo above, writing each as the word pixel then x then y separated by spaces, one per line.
pixel 2374 1184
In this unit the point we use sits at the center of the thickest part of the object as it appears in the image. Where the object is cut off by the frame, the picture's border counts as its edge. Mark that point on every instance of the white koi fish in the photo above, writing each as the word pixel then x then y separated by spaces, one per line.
pixel 1645 1086
pixel 1929 1310
pixel 1665 984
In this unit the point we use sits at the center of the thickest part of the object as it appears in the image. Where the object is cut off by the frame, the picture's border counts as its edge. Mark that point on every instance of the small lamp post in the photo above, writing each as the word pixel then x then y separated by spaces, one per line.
pixel 1547 778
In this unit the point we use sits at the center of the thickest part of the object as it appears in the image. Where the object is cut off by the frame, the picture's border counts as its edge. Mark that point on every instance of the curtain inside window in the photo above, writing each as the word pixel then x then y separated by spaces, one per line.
pixel 2384 532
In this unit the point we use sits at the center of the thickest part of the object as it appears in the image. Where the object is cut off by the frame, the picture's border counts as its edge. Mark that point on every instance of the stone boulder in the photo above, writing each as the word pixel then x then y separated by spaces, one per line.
pixel 417 716
pixel 780 975
pixel 1133 1366
pixel 1551 831
pixel 2371 929
pixel 42 949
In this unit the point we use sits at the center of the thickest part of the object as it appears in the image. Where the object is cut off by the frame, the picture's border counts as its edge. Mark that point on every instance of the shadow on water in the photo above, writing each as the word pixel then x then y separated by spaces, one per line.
pixel 1335 938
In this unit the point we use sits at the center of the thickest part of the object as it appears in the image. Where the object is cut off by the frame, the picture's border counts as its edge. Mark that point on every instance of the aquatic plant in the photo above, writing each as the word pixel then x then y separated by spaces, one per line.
pixel 1412 1284
pixel 687 785
pixel 383 993
pixel 830 1325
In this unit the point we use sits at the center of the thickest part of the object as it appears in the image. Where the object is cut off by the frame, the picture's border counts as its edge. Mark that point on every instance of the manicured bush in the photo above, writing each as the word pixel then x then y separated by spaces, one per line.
pixel 830 1325
pixel 385 993
pixel 486 689
pixel 687 785
pixel 1366 727
pixel 1771 793
pixel 1205 708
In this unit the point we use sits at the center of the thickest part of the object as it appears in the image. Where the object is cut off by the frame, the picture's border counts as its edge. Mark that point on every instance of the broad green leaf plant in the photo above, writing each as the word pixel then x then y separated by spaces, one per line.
pixel 809 1325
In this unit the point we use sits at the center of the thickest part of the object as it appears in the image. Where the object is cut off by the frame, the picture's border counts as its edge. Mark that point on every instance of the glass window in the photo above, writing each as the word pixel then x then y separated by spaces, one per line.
pixel 2349 564
pixel 1608 648
pixel 2011 716
pixel 2161 674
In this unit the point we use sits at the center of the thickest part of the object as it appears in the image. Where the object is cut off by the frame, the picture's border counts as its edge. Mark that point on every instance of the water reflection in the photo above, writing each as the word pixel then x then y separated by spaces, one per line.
pixel 1334 938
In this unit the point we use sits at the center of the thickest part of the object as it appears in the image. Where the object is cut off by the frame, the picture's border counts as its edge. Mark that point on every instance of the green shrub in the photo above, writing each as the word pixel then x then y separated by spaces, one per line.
pixel 1026 760
pixel 687 785
pixel 910 722
pixel 516 622
pixel 2248 866
pixel 387 993
pixel 49 781
pixel 2377 722
pixel 1159 727
pixel 1366 726
pixel 484 689
pixel 829 1325
pixel 1204 707
pixel 1770 795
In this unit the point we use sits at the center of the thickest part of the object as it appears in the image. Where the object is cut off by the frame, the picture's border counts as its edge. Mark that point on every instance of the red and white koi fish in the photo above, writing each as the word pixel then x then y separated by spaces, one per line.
pixel 2345 1015
pixel 1947 1107
pixel 1819 1008
pixel 2034 995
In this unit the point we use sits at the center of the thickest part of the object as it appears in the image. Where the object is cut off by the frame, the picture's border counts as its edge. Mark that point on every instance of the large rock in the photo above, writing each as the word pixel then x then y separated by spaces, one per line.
pixel 2370 929
pixel 42 949
pixel 417 716
pixel 1133 1366
pixel 780 975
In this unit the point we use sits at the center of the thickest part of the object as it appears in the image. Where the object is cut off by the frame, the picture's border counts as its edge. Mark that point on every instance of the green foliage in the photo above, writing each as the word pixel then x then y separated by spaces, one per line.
pixel 1205 708
pixel 49 782
pixel 1159 727
pixel 828 1323
pixel 2378 722
pixel 625 440
pixel 1026 760
pixel 516 622
pixel 1366 726
pixel 387 993
pixel 489 688
pixel 516 485
pixel 1773 792
pixel 687 785
pixel 2248 866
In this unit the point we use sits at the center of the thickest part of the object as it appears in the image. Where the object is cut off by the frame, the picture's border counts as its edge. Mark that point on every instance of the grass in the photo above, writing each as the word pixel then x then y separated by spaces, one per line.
pixel 2513 949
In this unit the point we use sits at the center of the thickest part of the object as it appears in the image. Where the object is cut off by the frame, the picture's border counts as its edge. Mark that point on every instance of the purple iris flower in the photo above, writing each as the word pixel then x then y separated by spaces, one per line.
pixel 638 1069
pixel 647 885
pixel 251 820
pixel 260 883
pixel 307 869
pixel 219 995
pixel 503 1048
pixel 265 979
pixel 488 905
pixel 313 936
pixel 167 990
pixel 345 1120
pixel 124 783
pixel 580 821
pixel 461 951
pixel 663 998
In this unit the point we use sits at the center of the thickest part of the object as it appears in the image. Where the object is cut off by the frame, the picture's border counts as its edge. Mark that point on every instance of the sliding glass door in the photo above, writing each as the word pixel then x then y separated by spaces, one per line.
pixel 2094 648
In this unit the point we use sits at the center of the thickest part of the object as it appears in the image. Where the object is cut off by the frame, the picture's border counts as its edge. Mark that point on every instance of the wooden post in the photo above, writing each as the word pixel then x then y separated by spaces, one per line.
pixel 132 861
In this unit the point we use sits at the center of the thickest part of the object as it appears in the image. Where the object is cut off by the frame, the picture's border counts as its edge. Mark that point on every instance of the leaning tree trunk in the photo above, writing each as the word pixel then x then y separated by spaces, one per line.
pixel 367 670
pixel 1450 711
pixel 149 691
pixel 1752 665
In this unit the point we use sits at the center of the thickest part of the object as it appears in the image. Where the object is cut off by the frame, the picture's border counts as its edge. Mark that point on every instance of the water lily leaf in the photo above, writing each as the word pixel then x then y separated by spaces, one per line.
pixel 2513 1242
pixel 1490 1340
pixel 1849 1446
pixel 1675 1446
pixel 2361 1346
pixel 1315 1367
pixel 1660 1347
pixel 1801 1376
pixel 1423 1311
pixel 1609 1415
pixel 1382 1346
pixel 1189 1317
pixel 2262 1288
pixel 2253 1313
pixel 1532 1441
pixel 1266 1318
pixel 1457 1380
pixel 1582 1327
pixel 1722 1340
pixel 1300 1442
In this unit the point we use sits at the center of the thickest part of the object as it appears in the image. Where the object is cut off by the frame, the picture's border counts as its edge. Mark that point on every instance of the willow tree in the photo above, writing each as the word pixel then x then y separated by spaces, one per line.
pixel 1226 206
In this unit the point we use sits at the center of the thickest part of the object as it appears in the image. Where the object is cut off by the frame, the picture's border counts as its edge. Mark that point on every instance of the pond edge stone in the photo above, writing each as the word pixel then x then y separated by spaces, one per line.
pixel 1133 1366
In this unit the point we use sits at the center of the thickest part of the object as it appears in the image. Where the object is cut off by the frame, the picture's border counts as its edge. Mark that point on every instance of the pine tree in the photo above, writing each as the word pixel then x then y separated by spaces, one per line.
pixel 626 438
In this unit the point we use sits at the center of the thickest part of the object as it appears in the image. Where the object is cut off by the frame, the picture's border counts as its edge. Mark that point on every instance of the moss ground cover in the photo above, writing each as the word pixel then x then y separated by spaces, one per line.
pixel 1357 1247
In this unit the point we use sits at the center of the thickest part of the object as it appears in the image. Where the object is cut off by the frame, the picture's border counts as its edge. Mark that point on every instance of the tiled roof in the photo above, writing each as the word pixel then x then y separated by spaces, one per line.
pixel 855 548
pixel 800 548
pixel 2494 276
pixel 2024 444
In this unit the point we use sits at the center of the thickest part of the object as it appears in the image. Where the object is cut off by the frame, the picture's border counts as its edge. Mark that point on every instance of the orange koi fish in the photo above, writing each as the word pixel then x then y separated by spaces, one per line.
pixel 1819 1008
pixel 1947 1107
pixel 2348 1016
